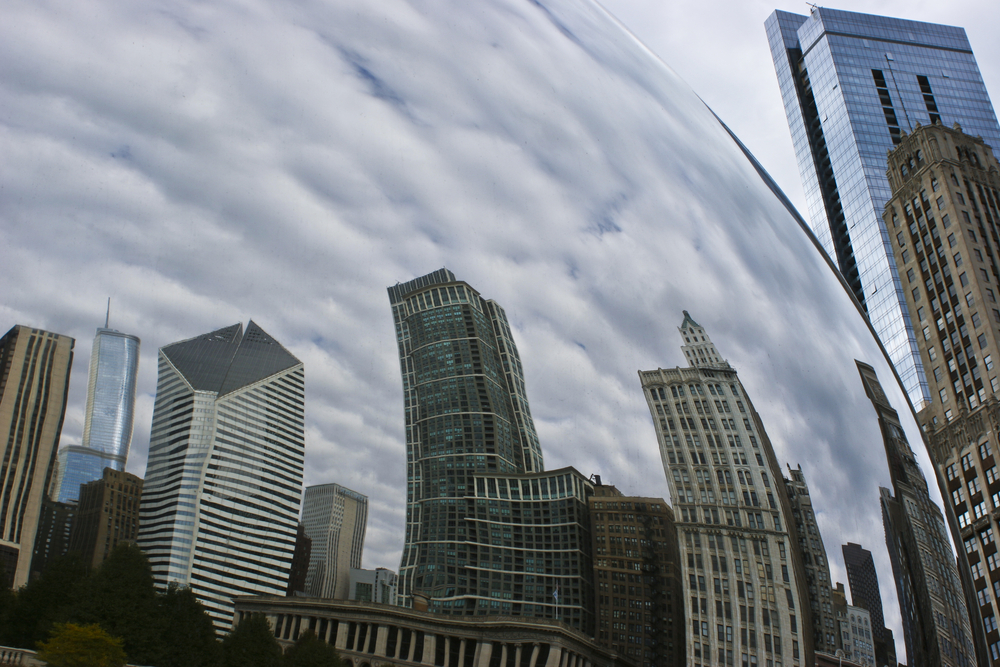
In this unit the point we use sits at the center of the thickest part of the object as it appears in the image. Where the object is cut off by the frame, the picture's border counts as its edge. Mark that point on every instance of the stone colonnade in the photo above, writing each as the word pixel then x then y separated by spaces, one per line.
pixel 363 643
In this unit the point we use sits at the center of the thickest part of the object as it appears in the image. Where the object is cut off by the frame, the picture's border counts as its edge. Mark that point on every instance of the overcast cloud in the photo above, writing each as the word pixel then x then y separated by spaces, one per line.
pixel 208 163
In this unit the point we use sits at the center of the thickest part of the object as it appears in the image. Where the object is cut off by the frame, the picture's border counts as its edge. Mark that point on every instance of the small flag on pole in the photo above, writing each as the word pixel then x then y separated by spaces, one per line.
pixel 555 594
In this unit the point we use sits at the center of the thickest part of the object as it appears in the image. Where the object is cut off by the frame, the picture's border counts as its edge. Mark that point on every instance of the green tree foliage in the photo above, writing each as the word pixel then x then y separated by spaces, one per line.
pixel 251 644
pixel 43 602
pixel 81 646
pixel 309 651
pixel 121 598
pixel 188 634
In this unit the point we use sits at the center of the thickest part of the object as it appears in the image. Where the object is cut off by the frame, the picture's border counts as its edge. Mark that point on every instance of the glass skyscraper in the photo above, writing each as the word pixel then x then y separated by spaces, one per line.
pixel 852 84
pixel 335 519
pixel 220 502
pixel 488 532
pixel 107 426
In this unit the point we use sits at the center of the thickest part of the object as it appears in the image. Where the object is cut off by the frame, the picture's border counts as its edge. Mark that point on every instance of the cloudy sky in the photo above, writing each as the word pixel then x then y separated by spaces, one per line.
pixel 207 163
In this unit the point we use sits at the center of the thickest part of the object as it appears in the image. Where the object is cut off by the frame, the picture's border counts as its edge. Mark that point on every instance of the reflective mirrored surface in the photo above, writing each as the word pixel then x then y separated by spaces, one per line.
pixel 209 165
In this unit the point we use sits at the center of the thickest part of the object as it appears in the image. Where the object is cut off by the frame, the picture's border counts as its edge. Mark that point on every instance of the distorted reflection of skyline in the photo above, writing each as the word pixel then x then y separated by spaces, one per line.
pixel 209 164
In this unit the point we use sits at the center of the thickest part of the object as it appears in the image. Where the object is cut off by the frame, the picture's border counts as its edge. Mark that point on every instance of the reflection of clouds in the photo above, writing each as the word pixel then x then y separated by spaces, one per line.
pixel 288 163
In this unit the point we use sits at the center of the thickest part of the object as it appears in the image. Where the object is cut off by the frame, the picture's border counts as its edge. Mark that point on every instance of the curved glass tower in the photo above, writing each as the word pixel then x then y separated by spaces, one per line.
pixel 107 426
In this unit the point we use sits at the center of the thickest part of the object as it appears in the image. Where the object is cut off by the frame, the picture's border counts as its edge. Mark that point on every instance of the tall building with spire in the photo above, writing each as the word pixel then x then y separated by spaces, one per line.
pixel 34 378
pixel 110 414
pixel 739 562
pixel 853 85
pixel 220 501
pixel 488 530
pixel 936 627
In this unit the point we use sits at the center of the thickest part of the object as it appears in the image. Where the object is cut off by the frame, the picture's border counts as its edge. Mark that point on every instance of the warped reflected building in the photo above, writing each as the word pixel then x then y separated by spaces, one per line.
pixel 853 85
pixel 936 627
pixel 488 531
pixel 220 500
pixel 335 519
pixel 732 515
pixel 639 601
pixel 814 561
pixel 108 420
pixel 866 594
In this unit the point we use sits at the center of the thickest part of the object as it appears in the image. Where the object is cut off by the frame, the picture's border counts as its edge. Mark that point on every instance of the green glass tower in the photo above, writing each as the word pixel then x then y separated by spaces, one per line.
pixel 477 493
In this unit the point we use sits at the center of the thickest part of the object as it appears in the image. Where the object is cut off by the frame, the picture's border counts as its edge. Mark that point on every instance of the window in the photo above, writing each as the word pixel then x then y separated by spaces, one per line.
pixel 973 486
pixel 967 462
pixel 910 275
pixel 986 536
pixel 963 520
pixel 977 569
pixel 992 561
pixel 991 474
pixel 932 353
pixel 983 595
pixel 979 255
pixel 964 279
pixel 944 395
pixel 958 259
pixel 984 451
pixel 982 342
pixel 970 545
pixel 938 374
pixel 991 624
pixel 950 472
pixel 976 322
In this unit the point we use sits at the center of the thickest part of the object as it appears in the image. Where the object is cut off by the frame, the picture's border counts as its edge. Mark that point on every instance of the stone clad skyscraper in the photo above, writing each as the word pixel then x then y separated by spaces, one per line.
pixel 738 559
pixel 487 530
pixel 34 378
pixel 852 85
pixel 220 501
pixel 335 519
pixel 108 420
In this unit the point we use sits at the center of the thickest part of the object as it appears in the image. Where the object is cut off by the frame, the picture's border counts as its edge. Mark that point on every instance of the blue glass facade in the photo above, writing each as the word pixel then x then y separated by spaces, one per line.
pixel 107 426
pixel 79 465
pixel 852 84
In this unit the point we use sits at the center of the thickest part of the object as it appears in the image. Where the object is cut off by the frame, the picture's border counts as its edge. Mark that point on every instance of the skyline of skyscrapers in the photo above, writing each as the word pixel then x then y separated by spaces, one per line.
pixel 109 417
pixel 852 84
pixel 223 485
pixel 34 378
pixel 335 520
pixel 733 518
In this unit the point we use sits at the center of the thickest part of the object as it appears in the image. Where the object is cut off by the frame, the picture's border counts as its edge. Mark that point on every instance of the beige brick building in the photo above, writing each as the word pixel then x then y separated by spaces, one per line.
pixel 943 222
pixel 34 377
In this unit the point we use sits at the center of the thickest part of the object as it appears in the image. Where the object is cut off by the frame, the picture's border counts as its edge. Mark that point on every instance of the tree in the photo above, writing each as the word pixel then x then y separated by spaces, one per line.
pixel 309 651
pixel 81 646
pixel 188 634
pixel 121 598
pixel 251 644
pixel 43 602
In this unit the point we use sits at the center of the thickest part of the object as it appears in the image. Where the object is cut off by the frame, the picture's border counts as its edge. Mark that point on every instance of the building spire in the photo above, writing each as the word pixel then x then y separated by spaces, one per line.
pixel 698 348
pixel 107 316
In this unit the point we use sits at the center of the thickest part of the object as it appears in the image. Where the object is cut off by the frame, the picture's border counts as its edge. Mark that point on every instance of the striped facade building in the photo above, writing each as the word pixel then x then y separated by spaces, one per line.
pixel 34 378
pixel 220 501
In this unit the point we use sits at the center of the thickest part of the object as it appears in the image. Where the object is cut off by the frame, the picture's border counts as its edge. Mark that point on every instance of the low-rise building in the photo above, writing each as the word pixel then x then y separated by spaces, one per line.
pixel 368 634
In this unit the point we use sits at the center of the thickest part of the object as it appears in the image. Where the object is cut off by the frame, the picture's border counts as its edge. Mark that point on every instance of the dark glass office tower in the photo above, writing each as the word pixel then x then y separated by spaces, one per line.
pixel 487 530
pixel 863 580
pixel 852 85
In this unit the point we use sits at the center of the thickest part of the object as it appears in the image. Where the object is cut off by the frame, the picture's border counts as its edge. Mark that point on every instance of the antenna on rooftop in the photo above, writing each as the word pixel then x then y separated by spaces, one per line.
pixel 107 316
